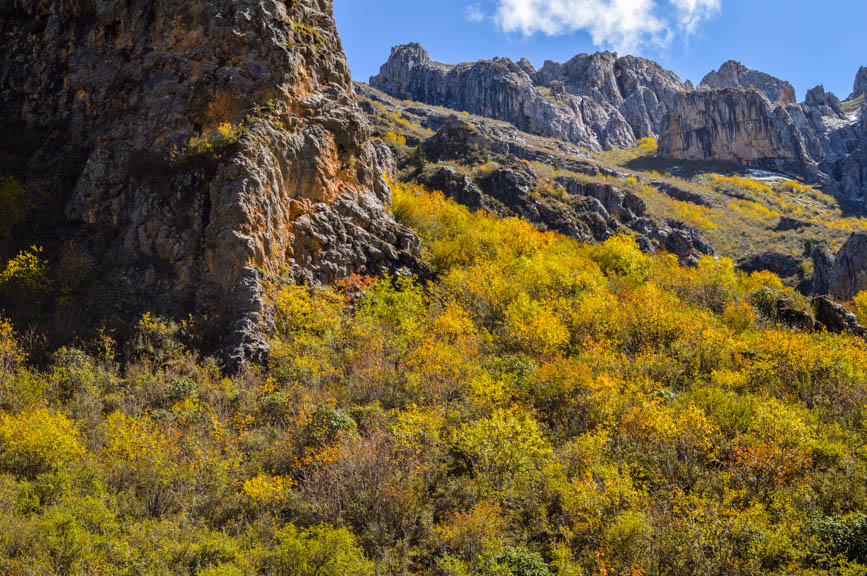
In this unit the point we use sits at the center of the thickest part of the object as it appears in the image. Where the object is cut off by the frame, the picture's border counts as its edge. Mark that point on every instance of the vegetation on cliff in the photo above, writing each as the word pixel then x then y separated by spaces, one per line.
pixel 540 406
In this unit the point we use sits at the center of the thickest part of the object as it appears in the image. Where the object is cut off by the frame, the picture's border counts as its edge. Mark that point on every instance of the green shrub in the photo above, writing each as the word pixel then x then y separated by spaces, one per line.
pixel 844 535
pixel 512 561
pixel 326 426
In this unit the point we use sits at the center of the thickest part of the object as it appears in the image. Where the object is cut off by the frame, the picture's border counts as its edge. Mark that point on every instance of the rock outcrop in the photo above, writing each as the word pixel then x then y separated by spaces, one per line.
pixel 730 125
pixel 827 102
pixel 194 146
pixel 860 83
pixel 733 74
pixel 848 275
pixel 599 101
pixel 783 265
pixel 816 140
pixel 835 317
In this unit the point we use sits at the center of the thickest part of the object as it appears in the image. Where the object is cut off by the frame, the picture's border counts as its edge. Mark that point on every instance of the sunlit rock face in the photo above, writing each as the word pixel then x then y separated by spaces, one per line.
pixel 104 99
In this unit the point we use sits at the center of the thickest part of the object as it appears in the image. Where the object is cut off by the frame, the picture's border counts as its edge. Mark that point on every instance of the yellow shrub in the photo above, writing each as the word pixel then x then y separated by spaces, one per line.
pixel 535 327
pixel 38 440
pixel 11 355
pixel 621 256
pixel 138 447
pixel 265 489
pixel 27 271
pixel 739 316
pixel 507 443
pixel 395 139
pixel 861 307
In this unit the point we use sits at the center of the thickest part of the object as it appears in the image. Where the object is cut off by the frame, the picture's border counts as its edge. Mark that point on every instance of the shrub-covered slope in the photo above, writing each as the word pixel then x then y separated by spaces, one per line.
pixel 538 406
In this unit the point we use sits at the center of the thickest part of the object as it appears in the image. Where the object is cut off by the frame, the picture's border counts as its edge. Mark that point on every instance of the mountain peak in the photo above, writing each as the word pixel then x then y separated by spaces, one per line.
pixel 733 74
pixel 860 83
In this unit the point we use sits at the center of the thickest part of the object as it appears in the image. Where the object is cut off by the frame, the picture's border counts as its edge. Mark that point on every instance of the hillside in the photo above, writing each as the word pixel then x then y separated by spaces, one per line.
pixel 471 320
pixel 539 407
pixel 757 218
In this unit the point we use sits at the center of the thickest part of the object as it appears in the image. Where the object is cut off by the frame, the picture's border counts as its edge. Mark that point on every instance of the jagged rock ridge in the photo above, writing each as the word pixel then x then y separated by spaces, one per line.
pixel 599 101
pixel 98 95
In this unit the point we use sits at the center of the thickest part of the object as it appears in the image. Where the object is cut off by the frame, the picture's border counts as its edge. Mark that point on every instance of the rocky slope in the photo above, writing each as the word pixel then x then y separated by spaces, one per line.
pixel 190 148
pixel 491 165
pixel 598 101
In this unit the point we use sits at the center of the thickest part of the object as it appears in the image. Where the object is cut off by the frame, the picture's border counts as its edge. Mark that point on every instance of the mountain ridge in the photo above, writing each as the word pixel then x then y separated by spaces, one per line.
pixel 602 102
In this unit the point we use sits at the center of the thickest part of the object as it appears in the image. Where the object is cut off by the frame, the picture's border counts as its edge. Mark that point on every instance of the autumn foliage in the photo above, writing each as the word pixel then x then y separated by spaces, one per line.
pixel 537 407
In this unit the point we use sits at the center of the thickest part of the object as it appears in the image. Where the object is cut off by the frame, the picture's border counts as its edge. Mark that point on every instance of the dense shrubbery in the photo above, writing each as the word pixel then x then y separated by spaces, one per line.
pixel 541 408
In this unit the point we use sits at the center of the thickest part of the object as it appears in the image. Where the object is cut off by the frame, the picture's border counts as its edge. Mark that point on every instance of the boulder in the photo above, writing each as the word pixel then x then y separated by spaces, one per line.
pixel 836 318
pixel 783 265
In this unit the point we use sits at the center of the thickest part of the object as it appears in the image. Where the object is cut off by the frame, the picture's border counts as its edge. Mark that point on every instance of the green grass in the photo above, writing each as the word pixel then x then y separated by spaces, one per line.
pixel 853 105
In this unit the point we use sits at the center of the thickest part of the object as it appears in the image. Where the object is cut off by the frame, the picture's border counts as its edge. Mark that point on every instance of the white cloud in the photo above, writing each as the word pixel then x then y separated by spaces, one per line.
pixel 625 25
pixel 474 13
pixel 691 13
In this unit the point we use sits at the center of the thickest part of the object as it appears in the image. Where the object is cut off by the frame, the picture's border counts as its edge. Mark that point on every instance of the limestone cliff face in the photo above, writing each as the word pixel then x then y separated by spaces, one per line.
pixel 733 74
pixel 599 101
pixel 730 125
pixel 103 99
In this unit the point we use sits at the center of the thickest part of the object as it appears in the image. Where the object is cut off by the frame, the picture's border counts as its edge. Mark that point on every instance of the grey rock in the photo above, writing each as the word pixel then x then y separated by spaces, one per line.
pixel 787 224
pixel 823 264
pixel 827 102
pixel 733 74
pixel 460 187
pixel 835 317
pixel 731 125
pixel 783 265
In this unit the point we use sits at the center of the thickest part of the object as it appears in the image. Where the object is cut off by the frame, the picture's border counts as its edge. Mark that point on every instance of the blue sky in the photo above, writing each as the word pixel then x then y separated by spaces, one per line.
pixel 806 43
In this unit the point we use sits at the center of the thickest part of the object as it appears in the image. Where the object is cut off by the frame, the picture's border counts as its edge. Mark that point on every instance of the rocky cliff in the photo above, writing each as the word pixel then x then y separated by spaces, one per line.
pixel 599 101
pixel 816 140
pixel 191 148
pixel 733 74
pixel 730 125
